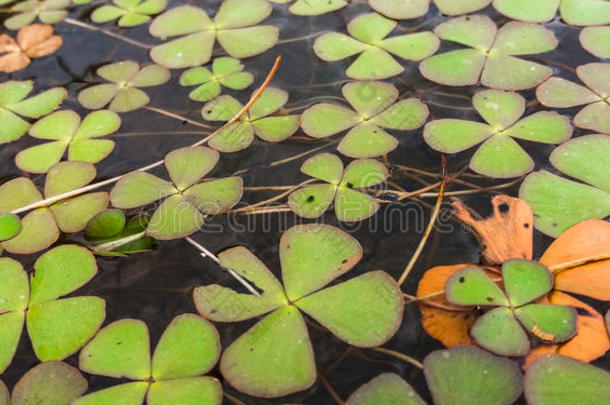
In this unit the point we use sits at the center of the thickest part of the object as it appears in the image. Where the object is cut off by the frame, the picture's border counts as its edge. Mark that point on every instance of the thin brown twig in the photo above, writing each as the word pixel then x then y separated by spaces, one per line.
pixel 330 389
pixel 400 356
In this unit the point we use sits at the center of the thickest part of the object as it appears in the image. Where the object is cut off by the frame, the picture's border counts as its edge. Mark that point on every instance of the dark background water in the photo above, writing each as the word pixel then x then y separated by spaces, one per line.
pixel 156 286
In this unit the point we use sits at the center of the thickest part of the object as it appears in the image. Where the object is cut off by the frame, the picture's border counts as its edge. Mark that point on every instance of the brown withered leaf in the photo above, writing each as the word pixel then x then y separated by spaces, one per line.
pixel 507 234
pixel 33 41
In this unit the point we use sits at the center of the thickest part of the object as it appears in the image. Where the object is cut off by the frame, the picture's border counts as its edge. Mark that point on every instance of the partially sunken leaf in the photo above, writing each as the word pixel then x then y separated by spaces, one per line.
pixel 60 271
pixel 190 346
pixel 525 281
pixel 106 224
pixel 401 9
pixel 466 375
pixel 596 40
pixel 471 286
pixel 387 388
pixel 554 378
pixel 559 203
pixel 59 328
pixel 222 304
pixel 185 391
pixel 10 226
pixel 551 323
pixel 541 11
pixel 365 311
pixel 583 159
pixel 53 383
pixel 123 394
pixel 499 332
pixel 334 253
pixel 273 358
pixel 121 349
pixel 38 232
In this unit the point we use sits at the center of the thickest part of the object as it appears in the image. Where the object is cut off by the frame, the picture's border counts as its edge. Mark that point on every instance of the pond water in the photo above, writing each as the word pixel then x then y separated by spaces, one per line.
pixel 156 286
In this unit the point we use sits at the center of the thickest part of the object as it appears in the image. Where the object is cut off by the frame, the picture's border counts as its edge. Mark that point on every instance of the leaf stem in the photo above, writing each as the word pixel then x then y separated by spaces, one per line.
pixel 330 389
pixel 400 356
pixel 107 32
pixel 109 246
pixel 430 226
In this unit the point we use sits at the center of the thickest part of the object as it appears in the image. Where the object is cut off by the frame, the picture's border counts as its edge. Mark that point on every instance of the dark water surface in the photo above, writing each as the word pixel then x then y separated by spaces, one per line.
pixel 156 286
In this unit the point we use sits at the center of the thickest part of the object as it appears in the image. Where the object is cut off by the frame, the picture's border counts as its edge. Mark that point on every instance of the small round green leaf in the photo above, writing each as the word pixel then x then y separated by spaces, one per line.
pixel 15 289
pixel 499 332
pixel 312 201
pixel 322 120
pixel 174 219
pixel 324 166
pixel 11 325
pixel 354 206
pixel 401 9
pixel 387 388
pixel 106 224
pixel 139 188
pixel 471 286
pixel 216 196
pixel 554 323
pixel 596 40
pixel 540 11
pixel 38 232
pixel 10 226
pixel 185 391
pixel 453 136
pixel 501 157
pixel 525 281
pixel 186 166
pixel 123 394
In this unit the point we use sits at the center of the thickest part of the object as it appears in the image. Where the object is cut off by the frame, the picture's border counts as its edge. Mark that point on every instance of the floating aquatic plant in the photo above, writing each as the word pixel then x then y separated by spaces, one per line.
pixel 233 26
pixel 374 107
pixel 40 228
pixel 387 388
pixel 227 72
pixel 561 93
pixel 313 7
pixel 491 56
pixel 552 378
pixel 68 133
pixel 57 326
pixel 10 226
pixel 52 382
pixel 596 40
pixel 129 12
pixel 186 200
pixel 501 329
pixel 113 235
pixel 188 349
pixel 367 38
pixel 123 92
pixel 559 203
pixel 262 120
pixel 13 104
pixel 499 155
pixel 47 11
pixel 574 12
pixel 33 41
pixel 410 9
pixel 275 357
pixel 340 186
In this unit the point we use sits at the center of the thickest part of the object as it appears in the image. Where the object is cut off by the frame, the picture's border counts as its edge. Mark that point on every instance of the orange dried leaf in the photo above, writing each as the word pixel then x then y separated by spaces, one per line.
pixel 592 280
pixel 584 242
pixel 13 62
pixel 591 340
pixel 8 44
pixel 442 320
pixel 33 34
pixel 45 48
pixel 507 234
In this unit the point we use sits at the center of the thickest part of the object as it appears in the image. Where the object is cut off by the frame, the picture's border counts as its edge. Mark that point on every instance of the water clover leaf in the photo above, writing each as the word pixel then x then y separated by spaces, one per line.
pixel 10 226
pixel 368 34
pixel 57 326
pixel 560 93
pixel 554 378
pixel 387 388
pixel 113 235
pixel 557 202
pixel 275 357
pixel 186 200
pixel 105 225
pixel 314 7
pixel 51 382
pixel 401 9
pixel 66 131
pixel 123 92
pixel 40 228
pixel 373 107
pixel 585 12
pixel 262 120
pixel 596 41
pixel 188 349
pixel 342 188
pixel 500 330
pixel 465 375
pixel 129 12
pixel 491 56
pixel 458 7
pixel 33 41
pixel 540 11
pixel 234 28
pixel 499 156
pixel 226 72
pixel 47 11
pixel 13 104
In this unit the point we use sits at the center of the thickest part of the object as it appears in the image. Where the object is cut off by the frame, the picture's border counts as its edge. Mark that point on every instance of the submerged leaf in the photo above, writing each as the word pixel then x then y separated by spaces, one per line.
pixel 387 388
pixel 51 382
